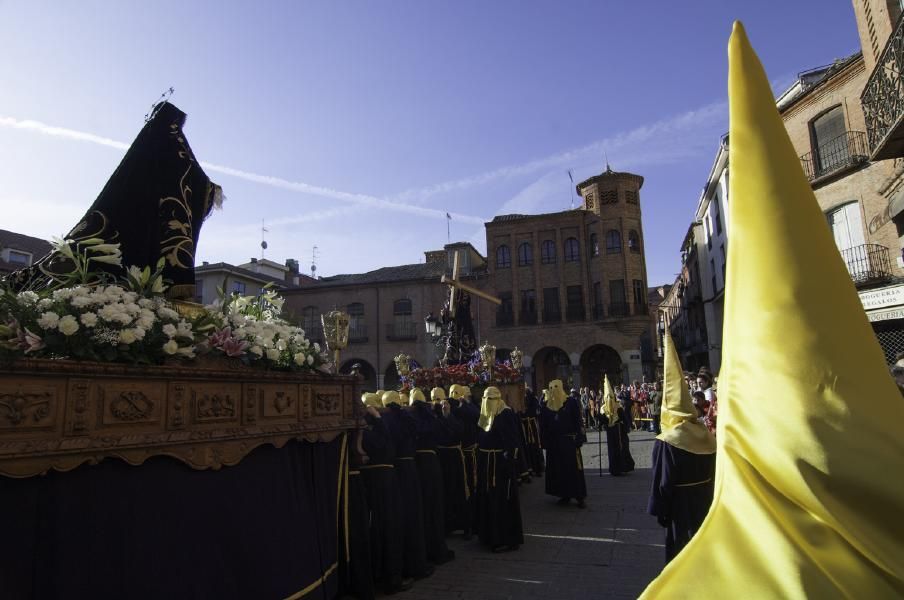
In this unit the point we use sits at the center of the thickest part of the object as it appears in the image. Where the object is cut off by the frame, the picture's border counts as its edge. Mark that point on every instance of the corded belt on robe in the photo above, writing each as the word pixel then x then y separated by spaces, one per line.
pixel 427 451
pixel 381 466
pixel 404 458
pixel 531 430
pixel 694 483
pixel 491 464
pixel 464 468
pixel 472 450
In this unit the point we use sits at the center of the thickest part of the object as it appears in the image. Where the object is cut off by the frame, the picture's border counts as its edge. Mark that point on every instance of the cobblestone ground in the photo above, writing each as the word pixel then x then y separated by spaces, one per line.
pixel 612 549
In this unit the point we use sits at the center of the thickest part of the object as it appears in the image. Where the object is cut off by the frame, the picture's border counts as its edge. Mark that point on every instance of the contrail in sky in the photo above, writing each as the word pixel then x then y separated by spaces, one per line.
pixel 277 182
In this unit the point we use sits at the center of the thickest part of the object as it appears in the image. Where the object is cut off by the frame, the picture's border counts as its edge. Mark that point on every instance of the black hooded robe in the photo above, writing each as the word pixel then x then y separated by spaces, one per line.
pixel 530 425
pixel 564 464
pixel 682 492
pixel 430 474
pixel 455 476
pixel 620 459
pixel 498 504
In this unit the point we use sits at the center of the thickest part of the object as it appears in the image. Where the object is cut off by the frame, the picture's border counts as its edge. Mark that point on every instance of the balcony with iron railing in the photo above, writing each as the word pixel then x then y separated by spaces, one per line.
pixel 402 331
pixel 357 334
pixel 867 264
pixel 847 151
pixel 575 313
pixel 883 99
pixel 619 309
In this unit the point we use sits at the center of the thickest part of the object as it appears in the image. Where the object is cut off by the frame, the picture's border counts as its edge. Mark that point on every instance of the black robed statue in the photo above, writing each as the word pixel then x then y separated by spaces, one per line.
pixel 153 206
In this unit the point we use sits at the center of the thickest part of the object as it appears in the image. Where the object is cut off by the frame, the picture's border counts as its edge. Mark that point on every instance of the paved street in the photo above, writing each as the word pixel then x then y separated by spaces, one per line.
pixel 610 550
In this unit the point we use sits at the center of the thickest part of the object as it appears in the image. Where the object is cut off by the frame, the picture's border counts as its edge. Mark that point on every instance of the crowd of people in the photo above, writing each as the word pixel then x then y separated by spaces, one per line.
pixel 426 468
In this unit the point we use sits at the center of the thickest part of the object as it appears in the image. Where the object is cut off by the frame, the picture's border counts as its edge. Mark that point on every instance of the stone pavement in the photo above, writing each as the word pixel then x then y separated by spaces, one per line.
pixel 612 549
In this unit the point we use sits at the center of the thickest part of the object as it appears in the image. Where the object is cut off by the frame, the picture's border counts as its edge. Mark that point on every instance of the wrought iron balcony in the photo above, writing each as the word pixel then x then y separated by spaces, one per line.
pixel 357 334
pixel 883 99
pixel 867 263
pixel 552 315
pixel 846 151
pixel 396 332
pixel 575 313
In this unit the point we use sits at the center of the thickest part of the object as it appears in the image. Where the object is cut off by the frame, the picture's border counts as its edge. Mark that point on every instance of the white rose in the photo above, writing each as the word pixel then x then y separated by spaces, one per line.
pixel 108 313
pixel 310 359
pixel 272 353
pixel 170 330
pixel 89 319
pixel 171 347
pixel 123 317
pixel 145 303
pixel 68 325
pixel 299 359
pixel 49 320
pixel 316 347
pixel 132 308
pixel 281 345
pixel 256 350
pixel 27 297
pixel 126 336
pixel 80 301
pixel 144 323
pixel 44 303
pixel 139 333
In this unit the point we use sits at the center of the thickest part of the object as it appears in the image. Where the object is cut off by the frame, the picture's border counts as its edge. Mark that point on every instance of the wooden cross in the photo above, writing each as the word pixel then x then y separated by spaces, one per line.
pixel 454 285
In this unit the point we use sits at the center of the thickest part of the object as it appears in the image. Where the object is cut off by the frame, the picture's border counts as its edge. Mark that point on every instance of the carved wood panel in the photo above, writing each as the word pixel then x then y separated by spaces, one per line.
pixel 29 407
pixel 214 403
pixel 327 401
pixel 134 403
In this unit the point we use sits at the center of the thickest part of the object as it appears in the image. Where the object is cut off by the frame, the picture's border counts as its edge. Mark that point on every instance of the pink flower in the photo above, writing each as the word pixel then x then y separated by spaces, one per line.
pixel 218 338
pixel 30 341
pixel 234 347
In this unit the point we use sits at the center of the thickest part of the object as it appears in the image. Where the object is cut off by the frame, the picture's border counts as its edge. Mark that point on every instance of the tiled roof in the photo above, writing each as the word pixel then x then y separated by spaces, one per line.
pixel 221 266
pixel 387 275
pixel 25 243
pixel 517 217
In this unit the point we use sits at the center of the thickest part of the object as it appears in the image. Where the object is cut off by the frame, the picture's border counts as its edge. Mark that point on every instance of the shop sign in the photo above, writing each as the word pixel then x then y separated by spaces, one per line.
pixel 885 315
pixel 882 298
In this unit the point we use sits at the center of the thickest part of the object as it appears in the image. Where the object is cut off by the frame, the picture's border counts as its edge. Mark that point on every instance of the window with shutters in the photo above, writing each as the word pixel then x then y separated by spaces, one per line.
pixel 574 303
pixel 503 257
pixel 548 252
pixel 528 307
pixel 618 307
pixel 525 255
pixel 831 148
pixel 609 197
pixel 552 312
pixel 572 250
pixel 357 329
pixel 613 242
pixel 505 314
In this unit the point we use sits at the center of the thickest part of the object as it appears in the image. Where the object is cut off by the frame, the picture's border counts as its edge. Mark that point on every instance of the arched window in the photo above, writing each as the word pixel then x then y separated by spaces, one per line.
pixel 633 241
pixel 548 252
pixel 503 257
pixel 572 250
pixel 594 245
pixel 525 255
pixel 613 242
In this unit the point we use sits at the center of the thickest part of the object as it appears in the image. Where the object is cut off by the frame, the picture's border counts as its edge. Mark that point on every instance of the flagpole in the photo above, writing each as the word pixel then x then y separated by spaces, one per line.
pixel 448 228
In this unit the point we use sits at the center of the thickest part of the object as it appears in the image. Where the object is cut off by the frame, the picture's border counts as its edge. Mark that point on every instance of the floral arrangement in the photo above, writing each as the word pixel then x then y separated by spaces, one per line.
pixel 470 374
pixel 88 315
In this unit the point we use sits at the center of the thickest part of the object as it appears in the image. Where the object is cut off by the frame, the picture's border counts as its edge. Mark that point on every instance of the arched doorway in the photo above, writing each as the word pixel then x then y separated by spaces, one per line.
pixel 551 363
pixel 369 383
pixel 597 360
pixel 391 379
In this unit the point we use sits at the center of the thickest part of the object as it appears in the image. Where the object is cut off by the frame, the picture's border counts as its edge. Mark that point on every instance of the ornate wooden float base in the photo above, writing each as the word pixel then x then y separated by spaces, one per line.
pixel 58 414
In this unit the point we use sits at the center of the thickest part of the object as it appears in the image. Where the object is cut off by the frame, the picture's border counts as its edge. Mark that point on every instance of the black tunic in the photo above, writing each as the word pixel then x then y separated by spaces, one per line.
pixel 620 459
pixel 402 427
pixel 384 499
pixel 682 493
pixel 455 483
pixel 355 576
pixel 499 508
pixel 428 429
pixel 468 416
pixel 561 432
pixel 530 425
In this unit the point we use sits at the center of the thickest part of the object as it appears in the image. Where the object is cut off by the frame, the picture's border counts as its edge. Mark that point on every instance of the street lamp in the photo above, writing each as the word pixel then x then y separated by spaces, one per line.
pixel 433 326
pixel 335 332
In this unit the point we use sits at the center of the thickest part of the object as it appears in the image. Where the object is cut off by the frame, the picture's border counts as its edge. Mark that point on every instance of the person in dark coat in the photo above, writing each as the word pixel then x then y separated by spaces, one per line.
pixel 498 505
pixel 383 498
pixel 684 462
pixel 402 427
pixel 467 414
pixel 452 461
pixel 530 425
pixel 428 430
pixel 619 450
pixel 355 574
pixel 563 435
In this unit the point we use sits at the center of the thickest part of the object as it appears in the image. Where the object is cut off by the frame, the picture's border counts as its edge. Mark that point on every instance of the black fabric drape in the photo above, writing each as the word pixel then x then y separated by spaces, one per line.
pixel 564 464
pixel 265 528
pixel 499 507
pixel 618 444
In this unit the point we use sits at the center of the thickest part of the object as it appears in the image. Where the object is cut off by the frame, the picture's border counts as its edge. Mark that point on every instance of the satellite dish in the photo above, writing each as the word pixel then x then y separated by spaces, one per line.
pixel 264 244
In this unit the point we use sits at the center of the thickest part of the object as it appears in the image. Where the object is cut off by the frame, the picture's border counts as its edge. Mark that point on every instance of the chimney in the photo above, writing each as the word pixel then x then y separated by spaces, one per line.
pixel 205 263
pixel 253 260
pixel 292 265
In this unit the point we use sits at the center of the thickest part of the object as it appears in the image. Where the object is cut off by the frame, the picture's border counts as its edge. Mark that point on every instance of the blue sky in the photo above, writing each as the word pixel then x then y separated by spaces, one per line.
pixel 355 126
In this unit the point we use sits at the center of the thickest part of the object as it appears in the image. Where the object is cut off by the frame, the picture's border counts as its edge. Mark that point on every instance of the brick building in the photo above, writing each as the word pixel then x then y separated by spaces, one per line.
pixel 573 288
pixel 18 251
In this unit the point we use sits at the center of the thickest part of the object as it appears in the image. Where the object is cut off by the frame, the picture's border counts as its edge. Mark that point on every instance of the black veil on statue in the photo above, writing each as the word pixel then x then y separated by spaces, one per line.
pixel 153 205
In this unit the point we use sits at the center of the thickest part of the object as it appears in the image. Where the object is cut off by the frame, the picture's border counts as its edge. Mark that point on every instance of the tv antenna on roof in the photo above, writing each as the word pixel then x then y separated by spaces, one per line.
pixel 314 256
pixel 264 230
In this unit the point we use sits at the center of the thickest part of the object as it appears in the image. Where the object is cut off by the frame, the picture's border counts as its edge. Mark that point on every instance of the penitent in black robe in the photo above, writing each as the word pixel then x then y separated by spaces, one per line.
pixel 468 414
pixel 498 504
pixel 455 476
pixel 432 490
pixel 682 493
pixel 561 432
pixel 355 575
pixel 620 459
pixel 402 427
pixel 384 499
pixel 530 426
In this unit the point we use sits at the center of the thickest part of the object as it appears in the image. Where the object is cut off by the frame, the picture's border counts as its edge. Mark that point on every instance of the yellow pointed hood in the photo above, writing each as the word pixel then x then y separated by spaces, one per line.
pixel 610 402
pixel 391 397
pixel 555 395
pixel 807 505
pixel 680 427
pixel 492 405
pixel 370 399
